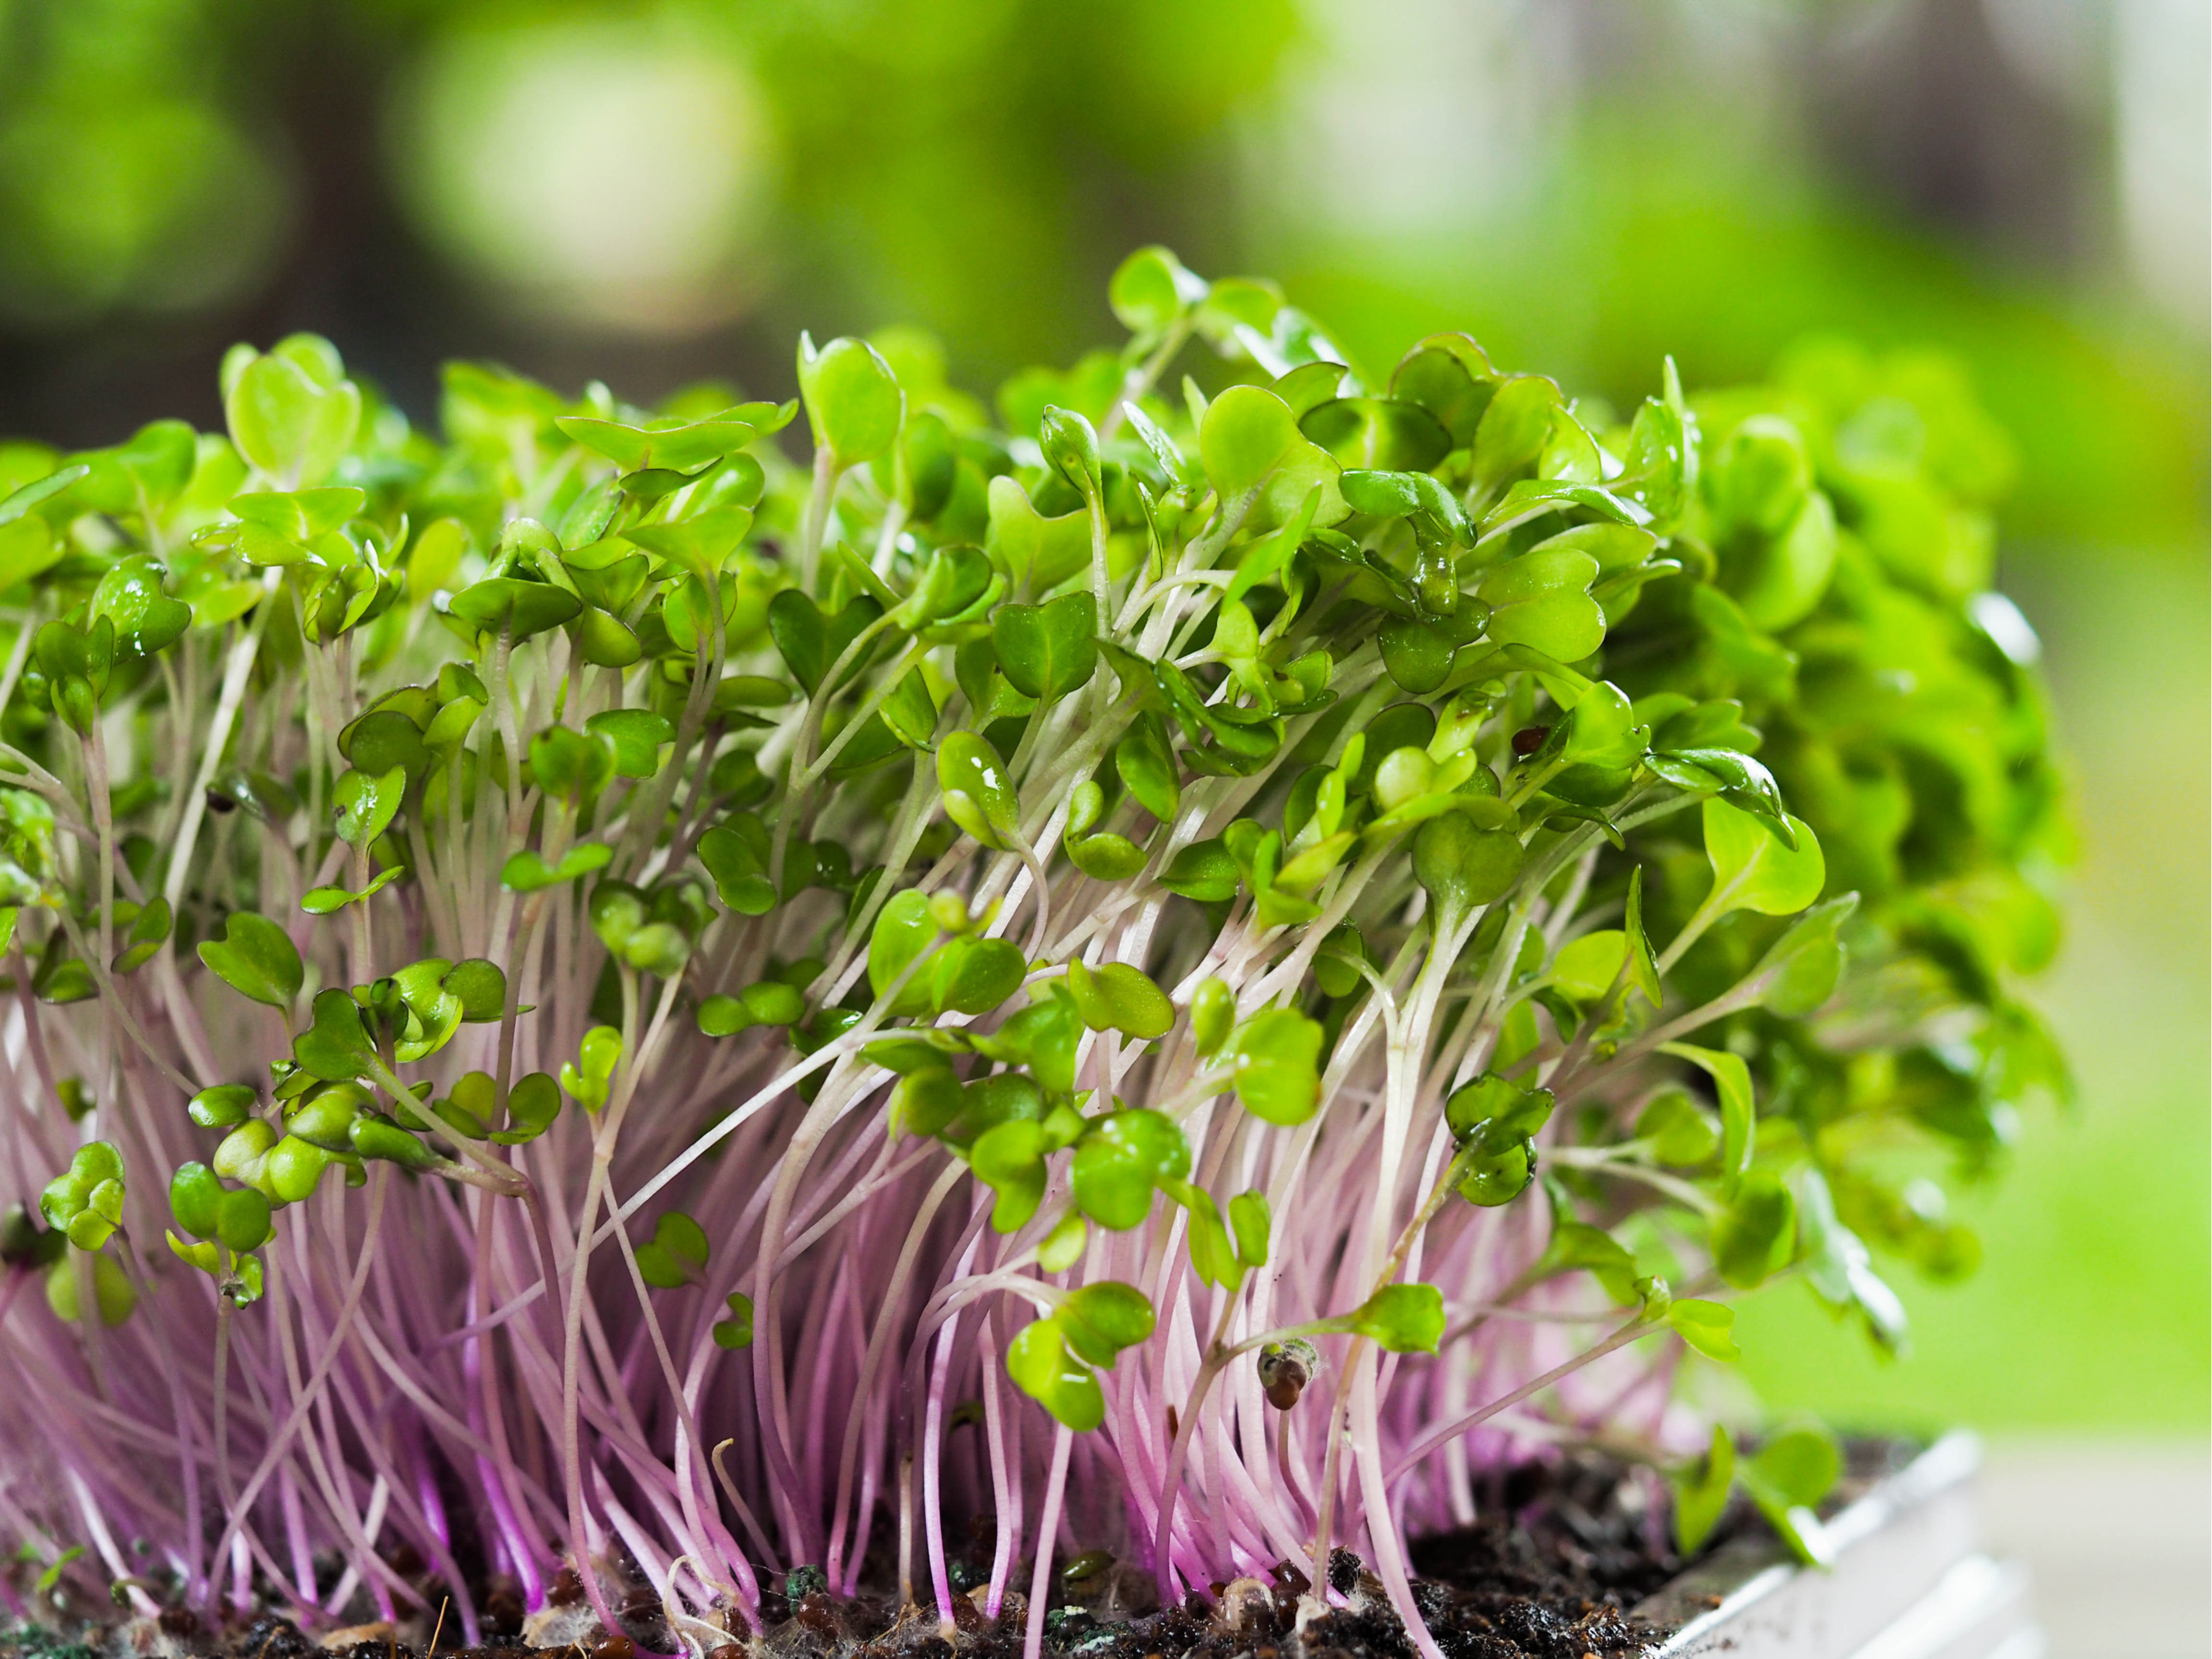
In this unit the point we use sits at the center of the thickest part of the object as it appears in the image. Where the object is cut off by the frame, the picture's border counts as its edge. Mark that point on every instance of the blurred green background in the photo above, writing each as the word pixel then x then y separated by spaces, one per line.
pixel 652 194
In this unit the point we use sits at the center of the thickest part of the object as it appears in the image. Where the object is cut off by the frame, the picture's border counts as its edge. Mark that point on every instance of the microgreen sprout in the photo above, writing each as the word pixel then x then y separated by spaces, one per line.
pixel 1261 931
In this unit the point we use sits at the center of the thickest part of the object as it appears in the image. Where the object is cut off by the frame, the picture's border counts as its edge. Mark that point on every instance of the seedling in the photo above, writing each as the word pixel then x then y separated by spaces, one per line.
pixel 1268 925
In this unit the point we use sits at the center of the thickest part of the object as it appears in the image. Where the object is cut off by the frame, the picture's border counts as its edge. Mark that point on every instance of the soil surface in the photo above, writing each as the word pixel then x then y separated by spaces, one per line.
pixel 1568 1550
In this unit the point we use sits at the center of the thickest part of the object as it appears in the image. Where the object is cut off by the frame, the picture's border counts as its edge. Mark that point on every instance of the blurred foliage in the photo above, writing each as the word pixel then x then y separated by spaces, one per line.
pixel 1656 234
pixel 942 161
pixel 129 177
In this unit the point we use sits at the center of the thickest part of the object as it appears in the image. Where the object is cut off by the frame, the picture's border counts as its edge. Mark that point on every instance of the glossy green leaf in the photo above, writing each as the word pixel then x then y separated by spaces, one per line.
pixel 617 909
pixel 527 871
pixel 1463 865
pixel 1643 967
pixel 1742 781
pixel 1151 290
pixel 256 958
pixel 1070 449
pixel 76 662
pixel 772 1002
pixel 904 929
pixel 737 1330
pixel 739 869
pixel 1009 1158
pixel 480 984
pixel 1586 968
pixel 1049 650
pixel 195 1198
pixel 1117 997
pixel 957 584
pixel 569 764
pixel 18 503
pixel 1064 1245
pixel 1204 871
pixel 380 1138
pixel 1542 600
pixel 675 1255
pixel 1603 730
pixel 1121 1160
pixel 978 795
pixel 324 1119
pixel 86 1200
pixel 974 975
pixel 1037 551
pixel 1146 768
pixel 854 403
pixel 243 1152
pixel 588 1076
pixel 290 411
pixel 1732 1082
pixel 1753 869
pixel 1708 1327
pixel 1104 855
pixel 133 598
pixel 1514 425
pixel 1679 1131
pixel 336 1047
pixel 221 1107
pixel 1787 1478
pixel 1380 433
pixel 532 1107
pixel 366 804
pixel 1701 1493
pixel 1755 1235
pixel 1212 1014
pixel 519 610
pixel 1801 1464
pixel 294 1170
pixel 1495 1119
pixel 1576 1245
pixel 1245 435
pixel 677 445
pixel 1253 1226
pixel 909 711
pixel 383 738
pixel 637 735
pixel 1800 969
pixel 1274 1058
pixel 1041 1365
pixel 1402 1318
pixel 1098 1320
pixel 1418 658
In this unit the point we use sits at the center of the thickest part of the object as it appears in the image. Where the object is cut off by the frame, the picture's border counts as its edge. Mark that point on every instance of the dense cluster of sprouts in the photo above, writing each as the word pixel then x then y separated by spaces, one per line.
pixel 1184 975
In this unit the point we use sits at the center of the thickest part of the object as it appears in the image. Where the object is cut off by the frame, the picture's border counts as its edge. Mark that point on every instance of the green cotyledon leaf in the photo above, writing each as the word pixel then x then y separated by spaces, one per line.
pixel 1754 869
pixel 1274 1058
pixel 1098 1320
pixel 854 401
pixel 1402 1318
pixel 1048 650
pixel 1042 1367
pixel 978 795
pixel 256 958
pixel 1732 1083
pixel 1701 1492
pixel 1120 1161
pixel 1117 997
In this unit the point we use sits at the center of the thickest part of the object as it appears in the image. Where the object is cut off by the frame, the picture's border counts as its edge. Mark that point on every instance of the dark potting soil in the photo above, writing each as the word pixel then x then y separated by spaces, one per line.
pixel 1566 1551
